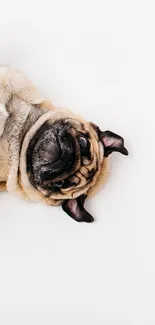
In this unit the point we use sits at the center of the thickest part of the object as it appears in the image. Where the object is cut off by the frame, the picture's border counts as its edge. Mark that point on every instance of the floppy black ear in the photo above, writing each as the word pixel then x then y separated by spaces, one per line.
pixel 112 142
pixel 75 209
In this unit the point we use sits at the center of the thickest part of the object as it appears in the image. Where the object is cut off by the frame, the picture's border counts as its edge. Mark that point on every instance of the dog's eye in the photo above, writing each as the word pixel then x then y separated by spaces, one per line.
pixel 59 184
pixel 82 142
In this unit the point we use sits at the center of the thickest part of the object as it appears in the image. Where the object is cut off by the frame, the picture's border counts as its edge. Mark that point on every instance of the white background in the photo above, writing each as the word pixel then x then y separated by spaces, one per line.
pixel 98 58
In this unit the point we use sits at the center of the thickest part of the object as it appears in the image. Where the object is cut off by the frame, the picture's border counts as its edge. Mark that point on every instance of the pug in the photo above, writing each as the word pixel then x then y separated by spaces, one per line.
pixel 49 154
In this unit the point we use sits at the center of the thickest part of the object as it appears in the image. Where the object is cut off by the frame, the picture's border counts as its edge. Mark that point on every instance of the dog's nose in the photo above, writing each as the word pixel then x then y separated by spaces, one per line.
pixel 65 161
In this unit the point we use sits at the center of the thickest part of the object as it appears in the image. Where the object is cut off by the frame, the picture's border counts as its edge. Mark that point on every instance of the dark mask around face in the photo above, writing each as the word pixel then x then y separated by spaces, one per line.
pixel 51 152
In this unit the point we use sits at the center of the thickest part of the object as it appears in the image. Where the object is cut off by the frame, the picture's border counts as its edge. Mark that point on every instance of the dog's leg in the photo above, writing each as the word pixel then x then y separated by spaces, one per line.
pixel 17 83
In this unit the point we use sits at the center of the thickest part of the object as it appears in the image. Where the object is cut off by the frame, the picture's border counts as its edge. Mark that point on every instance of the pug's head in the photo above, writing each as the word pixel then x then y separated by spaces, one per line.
pixel 64 160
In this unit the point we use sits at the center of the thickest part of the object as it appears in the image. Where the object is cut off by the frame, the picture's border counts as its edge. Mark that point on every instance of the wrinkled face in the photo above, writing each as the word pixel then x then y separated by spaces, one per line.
pixel 64 160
